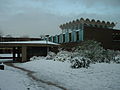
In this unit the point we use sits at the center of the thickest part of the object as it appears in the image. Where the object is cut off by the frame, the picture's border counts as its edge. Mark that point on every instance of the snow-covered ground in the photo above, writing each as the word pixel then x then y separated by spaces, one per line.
pixel 5 55
pixel 14 79
pixel 54 72
pixel 100 76
pixel 57 75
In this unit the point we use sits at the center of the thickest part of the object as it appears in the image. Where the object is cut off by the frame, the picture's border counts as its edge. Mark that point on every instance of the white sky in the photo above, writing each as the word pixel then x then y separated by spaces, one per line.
pixel 37 17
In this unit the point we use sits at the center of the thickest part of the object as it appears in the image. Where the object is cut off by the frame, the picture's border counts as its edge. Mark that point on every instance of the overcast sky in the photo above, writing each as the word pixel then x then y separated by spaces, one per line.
pixel 38 17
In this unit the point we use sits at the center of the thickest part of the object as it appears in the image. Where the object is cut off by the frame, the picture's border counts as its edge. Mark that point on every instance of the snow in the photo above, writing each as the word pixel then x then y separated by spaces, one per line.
pixel 56 74
pixel 5 55
pixel 30 42
pixel 13 79
pixel 5 60
pixel 100 76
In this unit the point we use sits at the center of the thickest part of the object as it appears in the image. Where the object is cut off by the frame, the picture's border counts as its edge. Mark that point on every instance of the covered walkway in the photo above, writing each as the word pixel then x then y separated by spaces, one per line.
pixel 23 50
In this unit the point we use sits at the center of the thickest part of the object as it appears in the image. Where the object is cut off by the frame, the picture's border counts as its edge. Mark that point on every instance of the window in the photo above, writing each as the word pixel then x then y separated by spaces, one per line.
pixel 54 39
pixel 63 38
pixel 76 27
pixel 77 36
pixel 91 25
pixel 96 26
pixel 70 38
pixel 105 26
pixel 80 26
pixel 58 38
pixel 49 38
pixel 101 26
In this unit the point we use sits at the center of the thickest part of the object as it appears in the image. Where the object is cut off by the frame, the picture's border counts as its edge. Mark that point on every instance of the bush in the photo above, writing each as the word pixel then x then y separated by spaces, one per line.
pixel 79 62
pixel 63 56
pixel 50 56
pixel 88 52
pixel 90 49
pixel 93 51
pixel 36 58
pixel 117 59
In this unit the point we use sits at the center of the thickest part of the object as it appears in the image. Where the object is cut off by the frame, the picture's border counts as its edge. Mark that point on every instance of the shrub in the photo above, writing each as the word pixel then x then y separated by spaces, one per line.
pixel 63 56
pixel 50 56
pixel 90 49
pixel 88 52
pixel 117 59
pixel 79 62
pixel 36 58
pixel 95 52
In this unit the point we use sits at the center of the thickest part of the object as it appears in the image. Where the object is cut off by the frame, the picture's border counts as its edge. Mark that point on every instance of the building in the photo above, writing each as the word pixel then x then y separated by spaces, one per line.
pixel 11 39
pixel 79 30
pixel 8 39
pixel 73 33
pixel 22 51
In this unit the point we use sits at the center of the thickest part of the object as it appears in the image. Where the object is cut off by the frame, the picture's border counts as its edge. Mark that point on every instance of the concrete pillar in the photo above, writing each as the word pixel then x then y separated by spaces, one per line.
pixel 18 54
pixel 14 52
pixel 24 53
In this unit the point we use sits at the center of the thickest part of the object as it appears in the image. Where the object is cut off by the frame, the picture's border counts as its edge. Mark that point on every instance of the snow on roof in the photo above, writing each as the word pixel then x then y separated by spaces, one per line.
pixel 30 42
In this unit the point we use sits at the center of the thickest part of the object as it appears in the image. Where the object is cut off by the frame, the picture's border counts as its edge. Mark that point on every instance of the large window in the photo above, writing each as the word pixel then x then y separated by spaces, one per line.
pixel 54 39
pixel 96 26
pixel 70 38
pixel 91 25
pixel 77 36
pixel 63 38
pixel 80 26
pixel 76 27
pixel 58 38
pixel 101 26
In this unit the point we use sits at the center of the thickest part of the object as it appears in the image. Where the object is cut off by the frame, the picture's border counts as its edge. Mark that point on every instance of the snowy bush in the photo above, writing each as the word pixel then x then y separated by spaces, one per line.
pixel 117 59
pixel 88 52
pixel 50 56
pixel 90 49
pixel 81 56
pixel 108 56
pixel 63 56
pixel 79 62
pixel 36 58
pixel 95 52
pixel 33 58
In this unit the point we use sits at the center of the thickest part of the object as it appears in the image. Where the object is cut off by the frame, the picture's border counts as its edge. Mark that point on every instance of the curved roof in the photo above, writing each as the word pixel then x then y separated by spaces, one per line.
pixel 88 22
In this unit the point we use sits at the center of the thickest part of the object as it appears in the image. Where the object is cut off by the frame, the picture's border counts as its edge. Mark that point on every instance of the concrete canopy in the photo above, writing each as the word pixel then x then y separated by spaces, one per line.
pixel 24 49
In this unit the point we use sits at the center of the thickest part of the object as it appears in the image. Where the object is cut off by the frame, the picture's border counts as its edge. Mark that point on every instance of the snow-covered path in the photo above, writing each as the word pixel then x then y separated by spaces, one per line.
pixel 38 80
pixel 18 78
pixel 14 79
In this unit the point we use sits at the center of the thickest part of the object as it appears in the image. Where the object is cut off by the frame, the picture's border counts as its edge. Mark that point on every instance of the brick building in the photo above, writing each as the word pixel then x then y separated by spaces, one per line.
pixel 79 30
